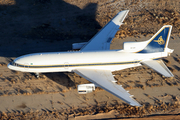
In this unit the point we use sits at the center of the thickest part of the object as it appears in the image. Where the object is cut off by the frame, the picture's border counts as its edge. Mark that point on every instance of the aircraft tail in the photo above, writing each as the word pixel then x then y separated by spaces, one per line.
pixel 159 42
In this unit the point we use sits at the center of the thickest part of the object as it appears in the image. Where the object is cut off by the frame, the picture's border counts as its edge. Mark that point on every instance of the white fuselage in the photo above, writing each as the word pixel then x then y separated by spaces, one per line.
pixel 68 61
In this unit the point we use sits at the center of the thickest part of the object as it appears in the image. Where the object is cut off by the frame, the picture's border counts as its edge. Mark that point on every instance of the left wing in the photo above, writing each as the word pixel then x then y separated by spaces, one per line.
pixel 102 40
pixel 105 80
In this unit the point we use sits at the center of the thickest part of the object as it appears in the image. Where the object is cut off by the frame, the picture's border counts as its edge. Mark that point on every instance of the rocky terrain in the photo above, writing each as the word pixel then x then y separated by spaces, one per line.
pixel 53 25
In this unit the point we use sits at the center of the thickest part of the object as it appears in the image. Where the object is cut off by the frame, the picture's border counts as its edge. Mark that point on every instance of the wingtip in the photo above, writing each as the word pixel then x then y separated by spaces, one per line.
pixel 119 18
pixel 136 104
pixel 126 11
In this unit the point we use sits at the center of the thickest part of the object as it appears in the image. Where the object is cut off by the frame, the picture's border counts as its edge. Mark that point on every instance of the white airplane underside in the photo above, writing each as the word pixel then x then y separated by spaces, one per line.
pixel 95 61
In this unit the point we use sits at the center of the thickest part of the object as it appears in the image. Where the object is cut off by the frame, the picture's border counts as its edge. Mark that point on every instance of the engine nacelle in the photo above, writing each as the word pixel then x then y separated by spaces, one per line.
pixel 85 88
pixel 134 46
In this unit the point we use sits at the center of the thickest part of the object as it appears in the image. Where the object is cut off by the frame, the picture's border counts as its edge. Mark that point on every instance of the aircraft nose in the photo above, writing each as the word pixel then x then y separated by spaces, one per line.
pixel 10 65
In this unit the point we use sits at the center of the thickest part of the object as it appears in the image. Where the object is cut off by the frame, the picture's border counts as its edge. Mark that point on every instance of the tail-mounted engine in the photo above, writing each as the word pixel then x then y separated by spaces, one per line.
pixel 85 88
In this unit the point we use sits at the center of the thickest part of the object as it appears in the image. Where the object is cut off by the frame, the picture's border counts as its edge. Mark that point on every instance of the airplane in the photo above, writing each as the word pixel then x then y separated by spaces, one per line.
pixel 96 62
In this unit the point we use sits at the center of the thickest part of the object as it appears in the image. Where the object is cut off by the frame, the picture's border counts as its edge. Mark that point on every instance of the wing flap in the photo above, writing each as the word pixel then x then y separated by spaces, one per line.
pixel 159 67
pixel 102 40
pixel 105 80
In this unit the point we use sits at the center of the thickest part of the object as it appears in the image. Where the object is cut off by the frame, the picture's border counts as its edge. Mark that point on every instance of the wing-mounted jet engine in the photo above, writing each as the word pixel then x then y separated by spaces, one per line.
pixel 86 88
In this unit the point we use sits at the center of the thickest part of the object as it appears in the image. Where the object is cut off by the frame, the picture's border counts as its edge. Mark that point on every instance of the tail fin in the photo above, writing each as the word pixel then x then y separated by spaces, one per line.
pixel 159 42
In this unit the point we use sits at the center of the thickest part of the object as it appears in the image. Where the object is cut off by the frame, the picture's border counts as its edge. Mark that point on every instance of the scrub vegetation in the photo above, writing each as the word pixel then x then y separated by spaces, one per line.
pixel 53 25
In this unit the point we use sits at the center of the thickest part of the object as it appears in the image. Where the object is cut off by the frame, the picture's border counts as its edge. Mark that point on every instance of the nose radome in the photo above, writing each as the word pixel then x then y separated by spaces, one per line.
pixel 9 65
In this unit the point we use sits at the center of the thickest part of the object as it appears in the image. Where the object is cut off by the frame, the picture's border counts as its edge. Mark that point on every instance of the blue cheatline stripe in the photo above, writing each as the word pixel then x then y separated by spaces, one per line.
pixel 74 65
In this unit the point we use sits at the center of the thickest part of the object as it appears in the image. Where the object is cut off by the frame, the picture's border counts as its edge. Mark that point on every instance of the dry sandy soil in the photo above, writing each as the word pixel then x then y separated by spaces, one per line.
pixel 53 25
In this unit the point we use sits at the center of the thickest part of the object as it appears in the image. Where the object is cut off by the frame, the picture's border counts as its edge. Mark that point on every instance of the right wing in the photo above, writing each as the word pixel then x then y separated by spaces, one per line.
pixel 105 80
pixel 102 40
pixel 159 67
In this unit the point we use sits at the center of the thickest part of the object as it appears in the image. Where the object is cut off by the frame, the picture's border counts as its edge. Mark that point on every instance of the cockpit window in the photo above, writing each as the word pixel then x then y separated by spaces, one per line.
pixel 14 64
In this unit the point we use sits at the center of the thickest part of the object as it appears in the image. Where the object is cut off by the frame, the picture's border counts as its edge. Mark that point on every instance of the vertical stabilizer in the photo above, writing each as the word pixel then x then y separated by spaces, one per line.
pixel 159 42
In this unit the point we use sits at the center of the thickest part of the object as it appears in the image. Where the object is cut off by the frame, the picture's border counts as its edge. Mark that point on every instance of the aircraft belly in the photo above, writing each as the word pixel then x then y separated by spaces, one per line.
pixel 40 70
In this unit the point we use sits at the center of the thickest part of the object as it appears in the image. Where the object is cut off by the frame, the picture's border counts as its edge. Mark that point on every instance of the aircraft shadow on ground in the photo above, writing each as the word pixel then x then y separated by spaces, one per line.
pixel 62 79
pixel 44 26
pixel 34 25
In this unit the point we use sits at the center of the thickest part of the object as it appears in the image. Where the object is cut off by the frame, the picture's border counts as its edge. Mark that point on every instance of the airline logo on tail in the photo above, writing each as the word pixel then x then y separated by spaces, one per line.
pixel 160 41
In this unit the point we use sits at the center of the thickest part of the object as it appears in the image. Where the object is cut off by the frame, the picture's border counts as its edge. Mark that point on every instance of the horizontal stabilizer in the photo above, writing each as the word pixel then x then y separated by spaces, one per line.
pixel 159 67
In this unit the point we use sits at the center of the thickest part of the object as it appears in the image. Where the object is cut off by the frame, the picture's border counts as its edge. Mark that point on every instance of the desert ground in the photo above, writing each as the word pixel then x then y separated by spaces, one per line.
pixel 53 25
